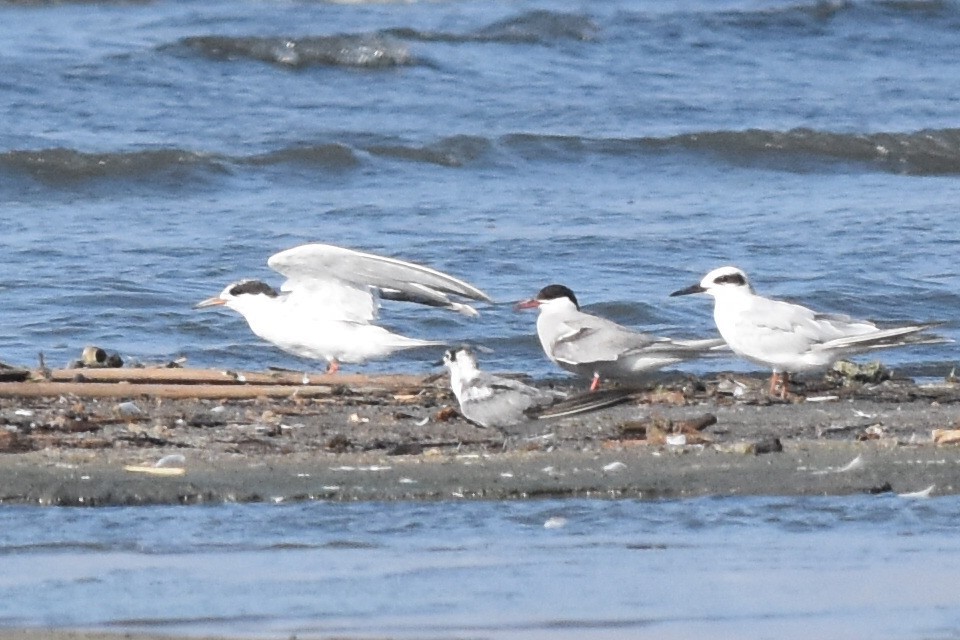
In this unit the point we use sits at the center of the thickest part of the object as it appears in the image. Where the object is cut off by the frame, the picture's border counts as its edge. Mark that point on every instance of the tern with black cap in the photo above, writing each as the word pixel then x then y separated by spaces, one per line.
pixel 790 338
pixel 326 308
pixel 598 348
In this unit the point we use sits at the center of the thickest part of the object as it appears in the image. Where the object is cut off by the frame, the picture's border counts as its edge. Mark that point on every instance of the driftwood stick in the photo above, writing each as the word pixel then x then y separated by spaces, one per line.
pixel 163 375
pixel 124 390
pixel 205 383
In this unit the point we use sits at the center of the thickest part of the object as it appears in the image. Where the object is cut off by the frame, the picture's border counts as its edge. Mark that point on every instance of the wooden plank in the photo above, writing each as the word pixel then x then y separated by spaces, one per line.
pixel 185 391
pixel 163 375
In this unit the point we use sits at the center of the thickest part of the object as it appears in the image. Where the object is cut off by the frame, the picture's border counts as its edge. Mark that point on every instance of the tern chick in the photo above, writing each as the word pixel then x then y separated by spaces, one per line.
pixel 326 308
pixel 494 401
pixel 790 338
pixel 595 347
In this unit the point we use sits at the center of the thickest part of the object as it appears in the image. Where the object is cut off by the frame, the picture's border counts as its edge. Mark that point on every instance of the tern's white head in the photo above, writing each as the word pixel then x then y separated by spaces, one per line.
pixel 720 282
pixel 242 295
pixel 461 362
pixel 550 298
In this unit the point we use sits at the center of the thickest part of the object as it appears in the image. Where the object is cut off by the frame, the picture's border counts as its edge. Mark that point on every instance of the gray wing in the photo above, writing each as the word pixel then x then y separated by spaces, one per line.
pixel 587 338
pixel 493 401
pixel 393 279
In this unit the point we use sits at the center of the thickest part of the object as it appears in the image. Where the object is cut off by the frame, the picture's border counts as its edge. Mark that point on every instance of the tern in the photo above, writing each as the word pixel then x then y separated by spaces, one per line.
pixel 592 346
pixel 787 337
pixel 327 306
pixel 494 401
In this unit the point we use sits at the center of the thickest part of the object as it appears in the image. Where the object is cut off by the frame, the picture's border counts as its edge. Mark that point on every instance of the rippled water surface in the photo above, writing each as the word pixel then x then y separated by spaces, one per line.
pixel 861 567
pixel 154 151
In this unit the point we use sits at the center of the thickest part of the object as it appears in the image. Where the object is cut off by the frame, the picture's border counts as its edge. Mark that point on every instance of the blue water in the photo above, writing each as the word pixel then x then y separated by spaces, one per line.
pixel 152 152
pixel 861 567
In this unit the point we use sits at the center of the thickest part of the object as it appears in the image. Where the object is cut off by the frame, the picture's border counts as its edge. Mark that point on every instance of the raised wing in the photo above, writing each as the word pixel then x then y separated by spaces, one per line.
pixel 393 279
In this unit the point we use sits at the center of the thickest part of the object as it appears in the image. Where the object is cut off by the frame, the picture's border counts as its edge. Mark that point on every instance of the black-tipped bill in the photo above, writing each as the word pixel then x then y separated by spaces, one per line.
pixel 696 288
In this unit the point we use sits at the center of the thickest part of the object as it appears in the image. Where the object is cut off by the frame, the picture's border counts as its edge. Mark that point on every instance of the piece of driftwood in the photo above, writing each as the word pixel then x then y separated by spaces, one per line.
pixel 164 375
pixel 125 390
pixel 45 389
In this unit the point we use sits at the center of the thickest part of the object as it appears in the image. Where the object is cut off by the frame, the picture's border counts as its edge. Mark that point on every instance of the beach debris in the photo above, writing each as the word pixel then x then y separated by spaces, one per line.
pixel 847 372
pixel 406 449
pixel 657 430
pixel 12 441
pixel 663 395
pixel 946 436
pixel 731 387
pixel 873 432
pixel 839 428
pixel 129 409
pixel 446 414
pixel 96 358
pixel 155 471
pixel 168 465
pixel 767 445
pixel 10 373
pixel 555 522
pixel 43 371
pixel 822 398
pixel 356 419
pixel 171 460
pixel 339 443
pixel 614 467
pixel 753 447
pixel 853 465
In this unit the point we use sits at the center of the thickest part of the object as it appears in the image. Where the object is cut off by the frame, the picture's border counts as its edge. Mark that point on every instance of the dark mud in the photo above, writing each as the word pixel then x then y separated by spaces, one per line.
pixel 680 437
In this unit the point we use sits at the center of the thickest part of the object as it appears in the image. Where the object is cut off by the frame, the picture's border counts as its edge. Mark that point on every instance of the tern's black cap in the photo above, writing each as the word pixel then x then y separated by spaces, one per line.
pixel 554 291
pixel 253 287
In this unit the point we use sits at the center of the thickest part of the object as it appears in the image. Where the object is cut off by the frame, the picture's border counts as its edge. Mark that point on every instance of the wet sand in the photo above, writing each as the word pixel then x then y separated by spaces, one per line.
pixel 399 438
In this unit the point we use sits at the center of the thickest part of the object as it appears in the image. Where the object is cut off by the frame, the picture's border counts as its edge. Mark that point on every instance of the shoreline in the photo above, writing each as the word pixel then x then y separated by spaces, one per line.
pixel 399 438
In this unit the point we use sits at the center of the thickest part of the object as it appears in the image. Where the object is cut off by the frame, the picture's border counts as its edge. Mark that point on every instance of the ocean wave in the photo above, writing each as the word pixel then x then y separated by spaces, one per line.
pixel 454 151
pixel 812 15
pixel 385 48
pixel 927 152
pixel 363 51
pixel 922 153
pixel 532 27
pixel 66 165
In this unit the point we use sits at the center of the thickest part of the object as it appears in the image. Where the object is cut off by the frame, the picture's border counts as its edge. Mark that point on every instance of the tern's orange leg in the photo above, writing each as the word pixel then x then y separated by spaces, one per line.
pixel 778 384
pixel 334 366
pixel 595 383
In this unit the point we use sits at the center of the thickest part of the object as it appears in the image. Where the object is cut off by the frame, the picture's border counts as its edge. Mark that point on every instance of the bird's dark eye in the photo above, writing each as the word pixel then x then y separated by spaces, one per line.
pixel 731 278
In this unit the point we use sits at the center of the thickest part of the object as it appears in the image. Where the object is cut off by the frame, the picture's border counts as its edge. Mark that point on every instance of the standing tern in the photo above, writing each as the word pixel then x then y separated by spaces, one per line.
pixel 787 337
pixel 494 401
pixel 327 306
pixel 592 346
